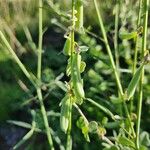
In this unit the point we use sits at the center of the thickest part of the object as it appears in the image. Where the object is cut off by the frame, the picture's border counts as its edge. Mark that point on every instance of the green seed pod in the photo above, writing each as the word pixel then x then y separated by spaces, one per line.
pixel 133 84
pixel 65 113
pixel 79 89
pixel 76 77
pixel 78 99
pixel 67 47
pixel 79 15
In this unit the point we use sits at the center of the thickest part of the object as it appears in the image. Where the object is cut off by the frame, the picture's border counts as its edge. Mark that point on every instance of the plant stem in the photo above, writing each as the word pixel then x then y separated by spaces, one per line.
pixel 136 49
pixel 45 119
pixel 104 109
pixel 108 48
pixel 80 112
pixel 39 92
pixel 144 42
pixel 69 139
pixel 113 64
pixel 40 40
pixel 136 40
pixel 116 46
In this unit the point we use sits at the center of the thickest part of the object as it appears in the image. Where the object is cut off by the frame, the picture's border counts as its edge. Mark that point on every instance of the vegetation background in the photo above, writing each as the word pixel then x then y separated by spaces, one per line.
pixel 19 22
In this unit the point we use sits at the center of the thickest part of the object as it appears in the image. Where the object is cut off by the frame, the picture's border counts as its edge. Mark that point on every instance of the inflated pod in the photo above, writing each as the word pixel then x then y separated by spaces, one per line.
pixel 65 113
pixel 76 77
pixel 79 15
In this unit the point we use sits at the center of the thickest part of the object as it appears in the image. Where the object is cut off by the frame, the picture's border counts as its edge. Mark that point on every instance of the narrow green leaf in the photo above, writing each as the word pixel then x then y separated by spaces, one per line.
pixel 83 48
pixel 20 124
pixel 67 47
pixel 126 142
pixel 82 66
pixel 128 36
pixel 133 84
pixel 26 137
pixel 104 109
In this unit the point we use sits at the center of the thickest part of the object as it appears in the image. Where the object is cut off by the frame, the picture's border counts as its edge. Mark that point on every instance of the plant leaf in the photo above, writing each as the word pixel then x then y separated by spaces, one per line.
pixel 133 83
pixel 83 48
pixel 126 142
pixel 26 137
pixel 82 66
pixel 93 126
pixel 128 36
pixel 83 125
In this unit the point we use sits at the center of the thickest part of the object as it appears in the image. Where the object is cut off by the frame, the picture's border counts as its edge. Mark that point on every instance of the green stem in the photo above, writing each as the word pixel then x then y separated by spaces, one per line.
pixel 136 40
pixel 81 113
pixel 136 48
pixel 69 139
pixel 113 64
pixel 104 109
pixel 108 48
pixel 144 42
pixel 39 92
pixel 40 40
pixel 45 119
pixel 116 46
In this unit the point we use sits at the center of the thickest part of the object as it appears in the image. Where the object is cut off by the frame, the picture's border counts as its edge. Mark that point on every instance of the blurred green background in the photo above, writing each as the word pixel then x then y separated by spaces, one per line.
pixel 19 22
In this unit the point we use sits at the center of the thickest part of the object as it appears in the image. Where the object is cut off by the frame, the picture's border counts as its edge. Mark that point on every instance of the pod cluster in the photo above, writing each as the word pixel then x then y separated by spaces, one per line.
pixel 75 67
pixel 65 113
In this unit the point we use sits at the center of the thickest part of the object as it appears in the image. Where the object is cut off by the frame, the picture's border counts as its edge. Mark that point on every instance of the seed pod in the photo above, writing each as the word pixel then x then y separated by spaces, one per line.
pixel 67 47
pixel 76 77
pixel 79 15
pixel 133 84
pixel 78 98
pixel 65 113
